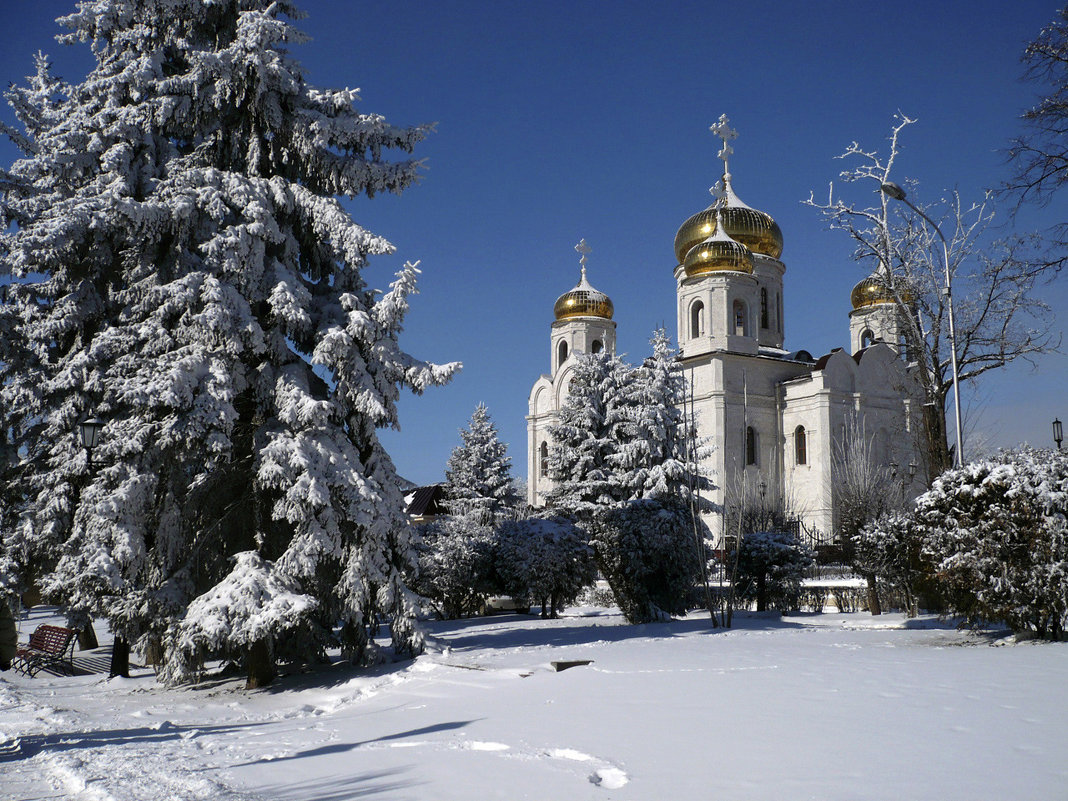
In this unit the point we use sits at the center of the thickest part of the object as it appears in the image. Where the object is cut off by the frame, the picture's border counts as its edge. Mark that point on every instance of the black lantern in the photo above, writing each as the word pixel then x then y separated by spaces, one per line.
pixel 90 431
pixel 1058 433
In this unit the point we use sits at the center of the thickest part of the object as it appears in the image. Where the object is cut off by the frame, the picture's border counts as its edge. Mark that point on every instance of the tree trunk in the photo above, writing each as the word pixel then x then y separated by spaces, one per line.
pixel 261 668
pixel 87 637
pixel 120 658
pixel 873 596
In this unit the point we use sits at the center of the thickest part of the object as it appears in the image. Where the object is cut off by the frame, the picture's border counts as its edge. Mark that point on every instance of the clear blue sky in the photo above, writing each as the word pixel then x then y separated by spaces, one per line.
pixel 563 120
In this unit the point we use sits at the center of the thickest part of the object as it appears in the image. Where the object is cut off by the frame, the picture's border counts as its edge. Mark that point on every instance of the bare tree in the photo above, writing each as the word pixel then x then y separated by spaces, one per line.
pixel 1039 156
pixel 999 318
pixel 864 491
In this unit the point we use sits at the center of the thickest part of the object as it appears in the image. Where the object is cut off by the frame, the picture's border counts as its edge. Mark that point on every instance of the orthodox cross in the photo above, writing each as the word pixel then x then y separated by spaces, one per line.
pixel 723 130
pixel 584 250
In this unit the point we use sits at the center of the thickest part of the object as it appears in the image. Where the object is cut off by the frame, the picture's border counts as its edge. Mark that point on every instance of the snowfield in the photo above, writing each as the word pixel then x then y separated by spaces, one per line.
pixel 831 706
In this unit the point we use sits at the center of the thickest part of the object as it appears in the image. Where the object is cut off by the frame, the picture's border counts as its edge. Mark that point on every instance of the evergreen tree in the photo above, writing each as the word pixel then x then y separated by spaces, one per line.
pixel 478 477
pixel 544 559
pixel 657 453
pixel 586 438
pixel 182 262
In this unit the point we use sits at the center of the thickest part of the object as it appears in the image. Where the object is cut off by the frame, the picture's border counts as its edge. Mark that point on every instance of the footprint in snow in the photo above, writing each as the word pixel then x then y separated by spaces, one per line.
pixel 609 778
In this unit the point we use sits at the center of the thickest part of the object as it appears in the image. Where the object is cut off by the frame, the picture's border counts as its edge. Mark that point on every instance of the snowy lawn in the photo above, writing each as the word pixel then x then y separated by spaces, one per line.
pixel 832 706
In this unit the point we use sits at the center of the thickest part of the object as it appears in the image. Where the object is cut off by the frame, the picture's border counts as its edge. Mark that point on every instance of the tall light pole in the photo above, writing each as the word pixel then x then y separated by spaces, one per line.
pixel 892 190
pixel 1058 432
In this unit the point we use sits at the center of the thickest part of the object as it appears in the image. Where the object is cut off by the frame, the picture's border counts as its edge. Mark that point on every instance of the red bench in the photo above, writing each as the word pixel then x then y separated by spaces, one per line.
pixel 49 646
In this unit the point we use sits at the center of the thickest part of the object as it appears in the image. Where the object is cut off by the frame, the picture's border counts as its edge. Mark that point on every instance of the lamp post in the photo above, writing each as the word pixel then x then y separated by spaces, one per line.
pixel 90 431
pixel 892 190
pixel 1058 432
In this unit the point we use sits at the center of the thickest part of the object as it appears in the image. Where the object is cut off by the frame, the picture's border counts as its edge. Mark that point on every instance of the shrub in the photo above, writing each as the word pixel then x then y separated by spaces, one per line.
pixel 997 539
pixel 645 551
pixel 770 567
pixel 543 559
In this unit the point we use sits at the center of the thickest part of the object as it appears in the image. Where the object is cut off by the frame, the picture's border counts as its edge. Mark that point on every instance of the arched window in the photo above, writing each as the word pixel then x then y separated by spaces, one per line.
pixel 778 311
pixel 867 338
pixel 750 446
pixel 561 354
pixel 697 320
pixel 597 347
pixel 800 446
pixel 741 324
pixel 543 458
pixel 763 307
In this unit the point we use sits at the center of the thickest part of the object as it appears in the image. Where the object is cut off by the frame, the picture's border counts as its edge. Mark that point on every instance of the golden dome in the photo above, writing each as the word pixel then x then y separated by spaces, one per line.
pixel 583 301
pixel 718 253
pixel 754 229
pixel 873 291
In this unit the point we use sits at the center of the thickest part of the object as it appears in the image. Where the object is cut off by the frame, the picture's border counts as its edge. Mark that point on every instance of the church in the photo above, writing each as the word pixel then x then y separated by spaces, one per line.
pixel 776 420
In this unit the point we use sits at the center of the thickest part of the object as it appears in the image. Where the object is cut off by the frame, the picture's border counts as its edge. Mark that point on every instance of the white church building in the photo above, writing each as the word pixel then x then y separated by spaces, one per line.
pixel 774 418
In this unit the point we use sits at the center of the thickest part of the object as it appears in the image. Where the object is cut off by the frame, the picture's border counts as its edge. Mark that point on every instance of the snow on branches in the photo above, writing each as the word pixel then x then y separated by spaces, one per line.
pixel 183 261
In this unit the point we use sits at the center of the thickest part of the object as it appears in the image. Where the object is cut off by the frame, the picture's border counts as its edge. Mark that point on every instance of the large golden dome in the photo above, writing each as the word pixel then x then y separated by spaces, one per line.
pixel 754 229
pixel 583 301
pixel 718 253
pixel 873 291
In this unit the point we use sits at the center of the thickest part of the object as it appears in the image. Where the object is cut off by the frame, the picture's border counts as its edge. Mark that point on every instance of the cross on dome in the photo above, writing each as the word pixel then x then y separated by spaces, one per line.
pixel 725 132
pixel 584 250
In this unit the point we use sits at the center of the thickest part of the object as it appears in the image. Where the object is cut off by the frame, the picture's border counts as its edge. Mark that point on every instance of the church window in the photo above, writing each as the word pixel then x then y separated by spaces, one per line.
pixel 763 307
pixel 740 322
pixel 697 320
pixel 597 346
pixel 778 312
pixel 800 446
pixel 561 354
pixel 867 338
pixel 543 458
pixel 750 446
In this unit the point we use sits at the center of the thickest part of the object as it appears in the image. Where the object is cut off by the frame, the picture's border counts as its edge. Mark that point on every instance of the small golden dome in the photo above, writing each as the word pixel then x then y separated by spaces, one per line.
pixel 754 229
pixel 718 253
pixel 873 291
pixel 583 301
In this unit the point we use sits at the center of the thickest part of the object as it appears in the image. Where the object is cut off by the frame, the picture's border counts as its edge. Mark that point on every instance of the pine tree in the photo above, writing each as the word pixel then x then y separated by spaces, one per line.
pixel 479 472
pixel 657 455
pixel 185 270
pixel 587 436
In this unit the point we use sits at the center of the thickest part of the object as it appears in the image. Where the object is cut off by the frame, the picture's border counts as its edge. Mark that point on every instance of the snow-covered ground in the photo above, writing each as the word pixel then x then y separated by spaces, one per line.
pixel 832 706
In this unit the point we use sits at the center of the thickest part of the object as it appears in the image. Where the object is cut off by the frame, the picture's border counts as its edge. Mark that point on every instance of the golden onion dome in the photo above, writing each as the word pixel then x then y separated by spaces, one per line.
pixel 756 230
pixel 873 291
pixel 718 253
pixel 583 301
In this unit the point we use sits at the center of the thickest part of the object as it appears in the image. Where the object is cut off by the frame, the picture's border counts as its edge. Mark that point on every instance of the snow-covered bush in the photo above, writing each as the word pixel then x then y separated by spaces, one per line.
pixel 455 571
pixel 997 539
pixel 888 548
pixel 645 551
pixel 478 477
pixel 184 269
pixel 546 560
pixel 770 567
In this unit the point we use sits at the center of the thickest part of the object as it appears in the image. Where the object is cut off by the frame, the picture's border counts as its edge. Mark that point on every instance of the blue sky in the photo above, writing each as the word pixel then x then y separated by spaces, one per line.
pixel 563 120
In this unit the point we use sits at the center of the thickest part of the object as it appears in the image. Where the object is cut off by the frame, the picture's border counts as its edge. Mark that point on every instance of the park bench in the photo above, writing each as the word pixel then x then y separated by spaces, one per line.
pixel 49 646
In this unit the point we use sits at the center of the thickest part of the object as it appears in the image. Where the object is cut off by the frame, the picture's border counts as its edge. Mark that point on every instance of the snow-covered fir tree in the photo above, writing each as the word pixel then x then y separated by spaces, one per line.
pixel 478 476
pixel 587 435
pixel 182 262
pixel 658 453
pixel 455 569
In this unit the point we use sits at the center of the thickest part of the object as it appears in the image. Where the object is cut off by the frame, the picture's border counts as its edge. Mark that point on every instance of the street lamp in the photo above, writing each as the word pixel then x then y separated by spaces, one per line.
pixel 90 431
pixel 1058 433
pixel 892 190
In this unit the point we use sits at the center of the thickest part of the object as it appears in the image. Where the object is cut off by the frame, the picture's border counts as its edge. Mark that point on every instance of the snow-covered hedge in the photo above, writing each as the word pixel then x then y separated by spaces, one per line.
pixel 997 539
